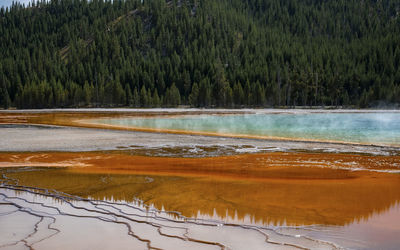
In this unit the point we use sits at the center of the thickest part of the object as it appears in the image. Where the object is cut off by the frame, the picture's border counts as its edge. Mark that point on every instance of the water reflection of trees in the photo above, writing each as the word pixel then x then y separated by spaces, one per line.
pixel 275 201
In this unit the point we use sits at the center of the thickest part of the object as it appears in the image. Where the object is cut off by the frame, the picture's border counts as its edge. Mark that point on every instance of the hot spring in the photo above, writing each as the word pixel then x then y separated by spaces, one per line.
pixel 365 128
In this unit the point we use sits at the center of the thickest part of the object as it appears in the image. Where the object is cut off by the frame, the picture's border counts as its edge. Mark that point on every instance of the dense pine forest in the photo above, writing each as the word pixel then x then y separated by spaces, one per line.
pixel 202 53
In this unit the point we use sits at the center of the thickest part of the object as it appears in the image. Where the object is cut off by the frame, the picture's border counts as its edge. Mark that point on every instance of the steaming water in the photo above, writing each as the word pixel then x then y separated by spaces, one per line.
pixel 374 128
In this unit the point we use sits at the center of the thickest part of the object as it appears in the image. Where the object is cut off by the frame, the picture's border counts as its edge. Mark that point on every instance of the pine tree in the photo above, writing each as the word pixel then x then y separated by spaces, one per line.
pixel 143 97
pixel 194 96
pixel 87 93
pixel 128 96
pixel 295 52
pixel 156 99
pixel 136 98
pixel 172 96
pixel 5 98
pixel 238 95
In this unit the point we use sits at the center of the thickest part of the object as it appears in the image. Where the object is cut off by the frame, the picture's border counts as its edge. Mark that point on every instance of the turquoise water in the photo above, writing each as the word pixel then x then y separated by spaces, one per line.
pixel 374 128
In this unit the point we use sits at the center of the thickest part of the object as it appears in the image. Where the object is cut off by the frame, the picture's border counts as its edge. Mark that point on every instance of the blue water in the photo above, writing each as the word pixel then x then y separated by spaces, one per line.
pixel 374 128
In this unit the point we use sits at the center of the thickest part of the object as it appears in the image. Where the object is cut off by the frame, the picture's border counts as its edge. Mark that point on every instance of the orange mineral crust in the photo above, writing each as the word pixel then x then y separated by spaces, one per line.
pixel 274 188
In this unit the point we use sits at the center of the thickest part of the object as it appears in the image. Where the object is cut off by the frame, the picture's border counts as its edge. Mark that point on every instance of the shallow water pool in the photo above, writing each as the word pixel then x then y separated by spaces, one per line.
pixel 369 128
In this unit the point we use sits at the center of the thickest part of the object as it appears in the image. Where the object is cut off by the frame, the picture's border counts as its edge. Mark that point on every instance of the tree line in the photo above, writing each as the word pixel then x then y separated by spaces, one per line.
pixel 202 53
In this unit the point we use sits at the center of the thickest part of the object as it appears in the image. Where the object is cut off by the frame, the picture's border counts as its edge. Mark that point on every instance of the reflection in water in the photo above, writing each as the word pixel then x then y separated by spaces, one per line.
pixel 276 202
pixel 43 218
pixel 381 231
pixel 267 189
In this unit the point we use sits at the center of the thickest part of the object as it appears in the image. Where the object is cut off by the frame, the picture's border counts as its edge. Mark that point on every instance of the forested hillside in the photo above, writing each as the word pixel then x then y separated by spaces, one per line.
pixel 202 53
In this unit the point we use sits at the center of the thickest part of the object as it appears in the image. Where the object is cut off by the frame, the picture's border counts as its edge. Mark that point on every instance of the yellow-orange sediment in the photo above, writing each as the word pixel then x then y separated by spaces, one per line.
pixel 292 188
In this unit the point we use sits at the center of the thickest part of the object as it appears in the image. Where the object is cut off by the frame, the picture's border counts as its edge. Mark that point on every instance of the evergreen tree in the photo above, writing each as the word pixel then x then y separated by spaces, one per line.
pixel 136 98
pixel 238 95
pixel 194 96
pixel 240 53
pixel 156 99
pixel 172 96
pixel 88 93
pixel 143 97
pixel 129 96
